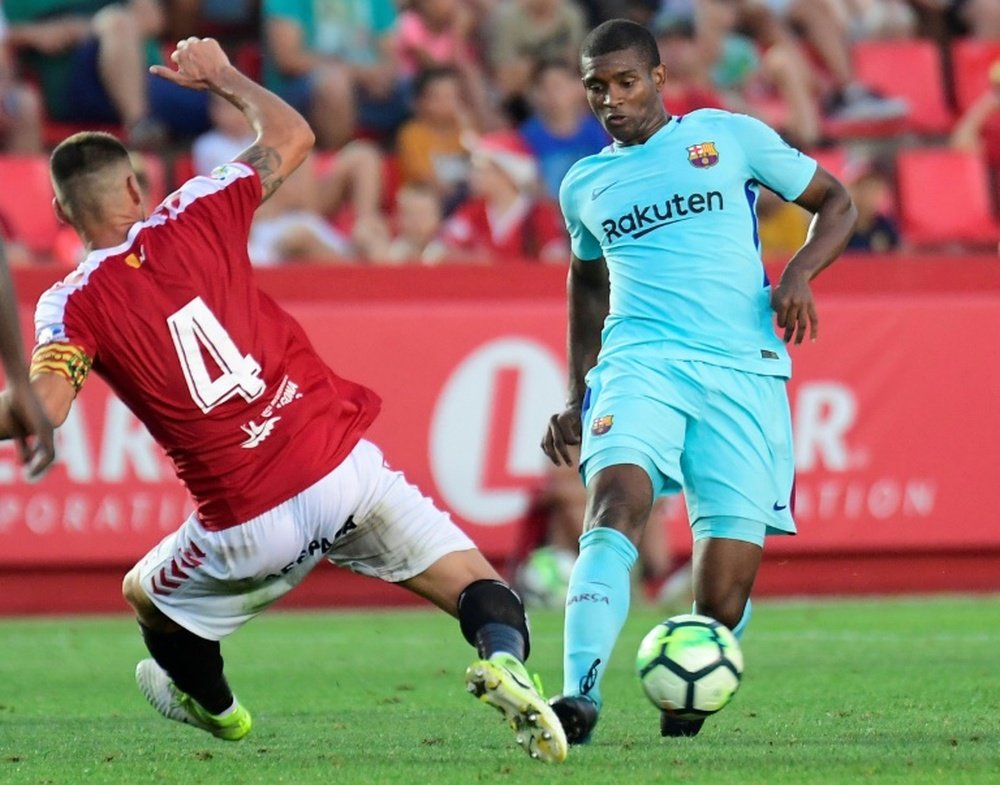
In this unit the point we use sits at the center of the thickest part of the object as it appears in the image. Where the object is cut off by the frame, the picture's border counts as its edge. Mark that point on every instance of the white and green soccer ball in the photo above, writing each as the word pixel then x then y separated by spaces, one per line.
pixel 689 666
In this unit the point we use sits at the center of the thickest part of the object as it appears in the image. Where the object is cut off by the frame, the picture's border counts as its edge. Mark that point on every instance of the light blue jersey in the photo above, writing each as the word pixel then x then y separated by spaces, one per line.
pixel 675 220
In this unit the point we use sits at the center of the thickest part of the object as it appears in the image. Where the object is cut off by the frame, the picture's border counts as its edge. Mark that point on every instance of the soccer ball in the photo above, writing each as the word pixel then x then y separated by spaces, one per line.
pixel 689 666
pixel 543 578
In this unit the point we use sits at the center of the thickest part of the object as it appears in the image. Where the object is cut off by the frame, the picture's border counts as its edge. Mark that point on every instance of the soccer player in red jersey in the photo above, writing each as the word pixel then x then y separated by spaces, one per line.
pixel 28 424
pixel 268 440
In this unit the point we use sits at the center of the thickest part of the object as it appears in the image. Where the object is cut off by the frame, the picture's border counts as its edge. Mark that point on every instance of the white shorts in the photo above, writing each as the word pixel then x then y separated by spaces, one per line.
pixel 363 516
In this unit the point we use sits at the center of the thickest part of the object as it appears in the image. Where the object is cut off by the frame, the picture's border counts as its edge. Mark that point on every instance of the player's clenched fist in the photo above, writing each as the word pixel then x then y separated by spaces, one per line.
pixel 199 61
pixel 792 302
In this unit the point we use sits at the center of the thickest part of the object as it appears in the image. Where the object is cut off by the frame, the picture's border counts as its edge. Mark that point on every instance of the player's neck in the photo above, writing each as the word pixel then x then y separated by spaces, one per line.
pixel 647 133
pixel 107 234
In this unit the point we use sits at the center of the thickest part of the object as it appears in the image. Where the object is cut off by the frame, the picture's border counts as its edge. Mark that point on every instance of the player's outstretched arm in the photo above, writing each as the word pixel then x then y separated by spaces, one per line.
pixel 588 291
pixel 24 415
pixel 833 222
pixel 284 138
pixel 54 395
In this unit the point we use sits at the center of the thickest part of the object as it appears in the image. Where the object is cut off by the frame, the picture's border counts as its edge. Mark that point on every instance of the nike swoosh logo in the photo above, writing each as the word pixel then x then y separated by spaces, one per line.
pixel 517 680
pixel 779 507
pixel 598 191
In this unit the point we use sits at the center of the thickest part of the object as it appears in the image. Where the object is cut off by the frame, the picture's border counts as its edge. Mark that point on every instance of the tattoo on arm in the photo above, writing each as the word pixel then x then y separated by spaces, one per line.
pixel 267 162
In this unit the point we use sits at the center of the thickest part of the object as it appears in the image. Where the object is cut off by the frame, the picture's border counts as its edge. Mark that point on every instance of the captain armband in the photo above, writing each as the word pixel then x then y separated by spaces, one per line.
pixel 63 359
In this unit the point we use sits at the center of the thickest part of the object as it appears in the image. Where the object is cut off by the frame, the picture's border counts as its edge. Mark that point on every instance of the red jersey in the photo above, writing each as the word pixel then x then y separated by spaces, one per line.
pixel 225 380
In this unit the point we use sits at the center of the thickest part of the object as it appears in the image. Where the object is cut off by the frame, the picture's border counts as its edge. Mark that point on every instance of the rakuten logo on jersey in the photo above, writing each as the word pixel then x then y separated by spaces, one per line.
pixel 487 427
pixel 835 479
pixel 640 221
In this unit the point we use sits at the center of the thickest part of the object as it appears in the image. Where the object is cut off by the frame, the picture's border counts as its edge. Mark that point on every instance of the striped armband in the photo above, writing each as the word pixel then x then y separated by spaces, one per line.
pixel 63 359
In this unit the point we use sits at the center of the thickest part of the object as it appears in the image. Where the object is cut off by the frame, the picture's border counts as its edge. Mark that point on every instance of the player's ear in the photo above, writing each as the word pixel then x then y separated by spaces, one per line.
pixel 659 74
pixel 60 213
pixel 134 190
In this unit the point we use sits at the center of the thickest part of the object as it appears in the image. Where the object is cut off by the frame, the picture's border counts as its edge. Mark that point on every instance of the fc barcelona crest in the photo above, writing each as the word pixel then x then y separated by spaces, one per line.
pixel 602 424
pixel 703 155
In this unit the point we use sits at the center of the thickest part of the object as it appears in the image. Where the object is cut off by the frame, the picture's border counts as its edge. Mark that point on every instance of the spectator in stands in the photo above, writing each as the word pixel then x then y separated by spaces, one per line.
pixel 978 129
pixel 824 31
pixel 771 82
pixel 504 219
pixel 876 230
pixel 688 83
pixel 337 64
pixel 523 33
pixel 429 146
pixel 561 129
pixel 20 109
pixel 91 58
pixel 418 225
pixel 438 33
pixel 879 18
pixel 293 225
pixel 642 11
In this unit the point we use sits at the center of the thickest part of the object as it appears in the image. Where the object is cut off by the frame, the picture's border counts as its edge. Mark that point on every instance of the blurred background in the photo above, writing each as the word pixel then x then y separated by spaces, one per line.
pixel 422 248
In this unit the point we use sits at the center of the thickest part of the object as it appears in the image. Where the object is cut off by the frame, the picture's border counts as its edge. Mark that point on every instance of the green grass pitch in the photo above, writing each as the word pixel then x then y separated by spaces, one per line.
pixel 877 691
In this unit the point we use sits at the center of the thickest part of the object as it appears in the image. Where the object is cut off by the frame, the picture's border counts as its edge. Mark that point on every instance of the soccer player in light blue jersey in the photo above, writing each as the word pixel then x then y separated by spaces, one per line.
pixel 684 387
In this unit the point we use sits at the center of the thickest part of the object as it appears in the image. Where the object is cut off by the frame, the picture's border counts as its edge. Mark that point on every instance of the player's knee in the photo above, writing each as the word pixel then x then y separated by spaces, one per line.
pixel 135 595
pixel 129 585
pixel 116 21
pixel 332 84
pixel 362 153
pixel 621 498
pixel 616 508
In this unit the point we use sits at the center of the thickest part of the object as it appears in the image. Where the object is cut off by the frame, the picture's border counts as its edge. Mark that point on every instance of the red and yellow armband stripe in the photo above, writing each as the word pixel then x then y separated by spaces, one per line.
pixel 64 359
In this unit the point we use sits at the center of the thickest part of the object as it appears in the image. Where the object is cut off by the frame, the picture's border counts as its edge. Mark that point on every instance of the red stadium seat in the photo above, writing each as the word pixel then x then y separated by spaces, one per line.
pixel 944 197
pixel 833 159
pixel 26 200
pixel 971 61
pixel 911 70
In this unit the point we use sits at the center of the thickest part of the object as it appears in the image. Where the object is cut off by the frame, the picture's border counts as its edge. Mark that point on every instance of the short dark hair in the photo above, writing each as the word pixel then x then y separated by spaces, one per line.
pixel 85 153
pixel 428 76
pixel 76 159
pixel 617 35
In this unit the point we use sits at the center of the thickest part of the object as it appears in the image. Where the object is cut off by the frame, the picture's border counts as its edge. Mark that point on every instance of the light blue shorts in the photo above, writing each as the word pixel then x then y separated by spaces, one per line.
pixel 722 436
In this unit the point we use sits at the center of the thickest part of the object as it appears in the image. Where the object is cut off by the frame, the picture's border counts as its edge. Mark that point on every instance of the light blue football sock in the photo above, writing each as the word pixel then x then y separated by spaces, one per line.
pixel 596 607
pixel 741 625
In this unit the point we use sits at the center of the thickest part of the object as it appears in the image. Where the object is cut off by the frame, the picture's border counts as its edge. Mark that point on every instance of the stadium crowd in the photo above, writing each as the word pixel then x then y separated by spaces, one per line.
pixel 446 126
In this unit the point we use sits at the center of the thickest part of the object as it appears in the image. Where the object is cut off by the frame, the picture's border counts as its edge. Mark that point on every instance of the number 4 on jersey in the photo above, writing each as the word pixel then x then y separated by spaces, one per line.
pixel 196 332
